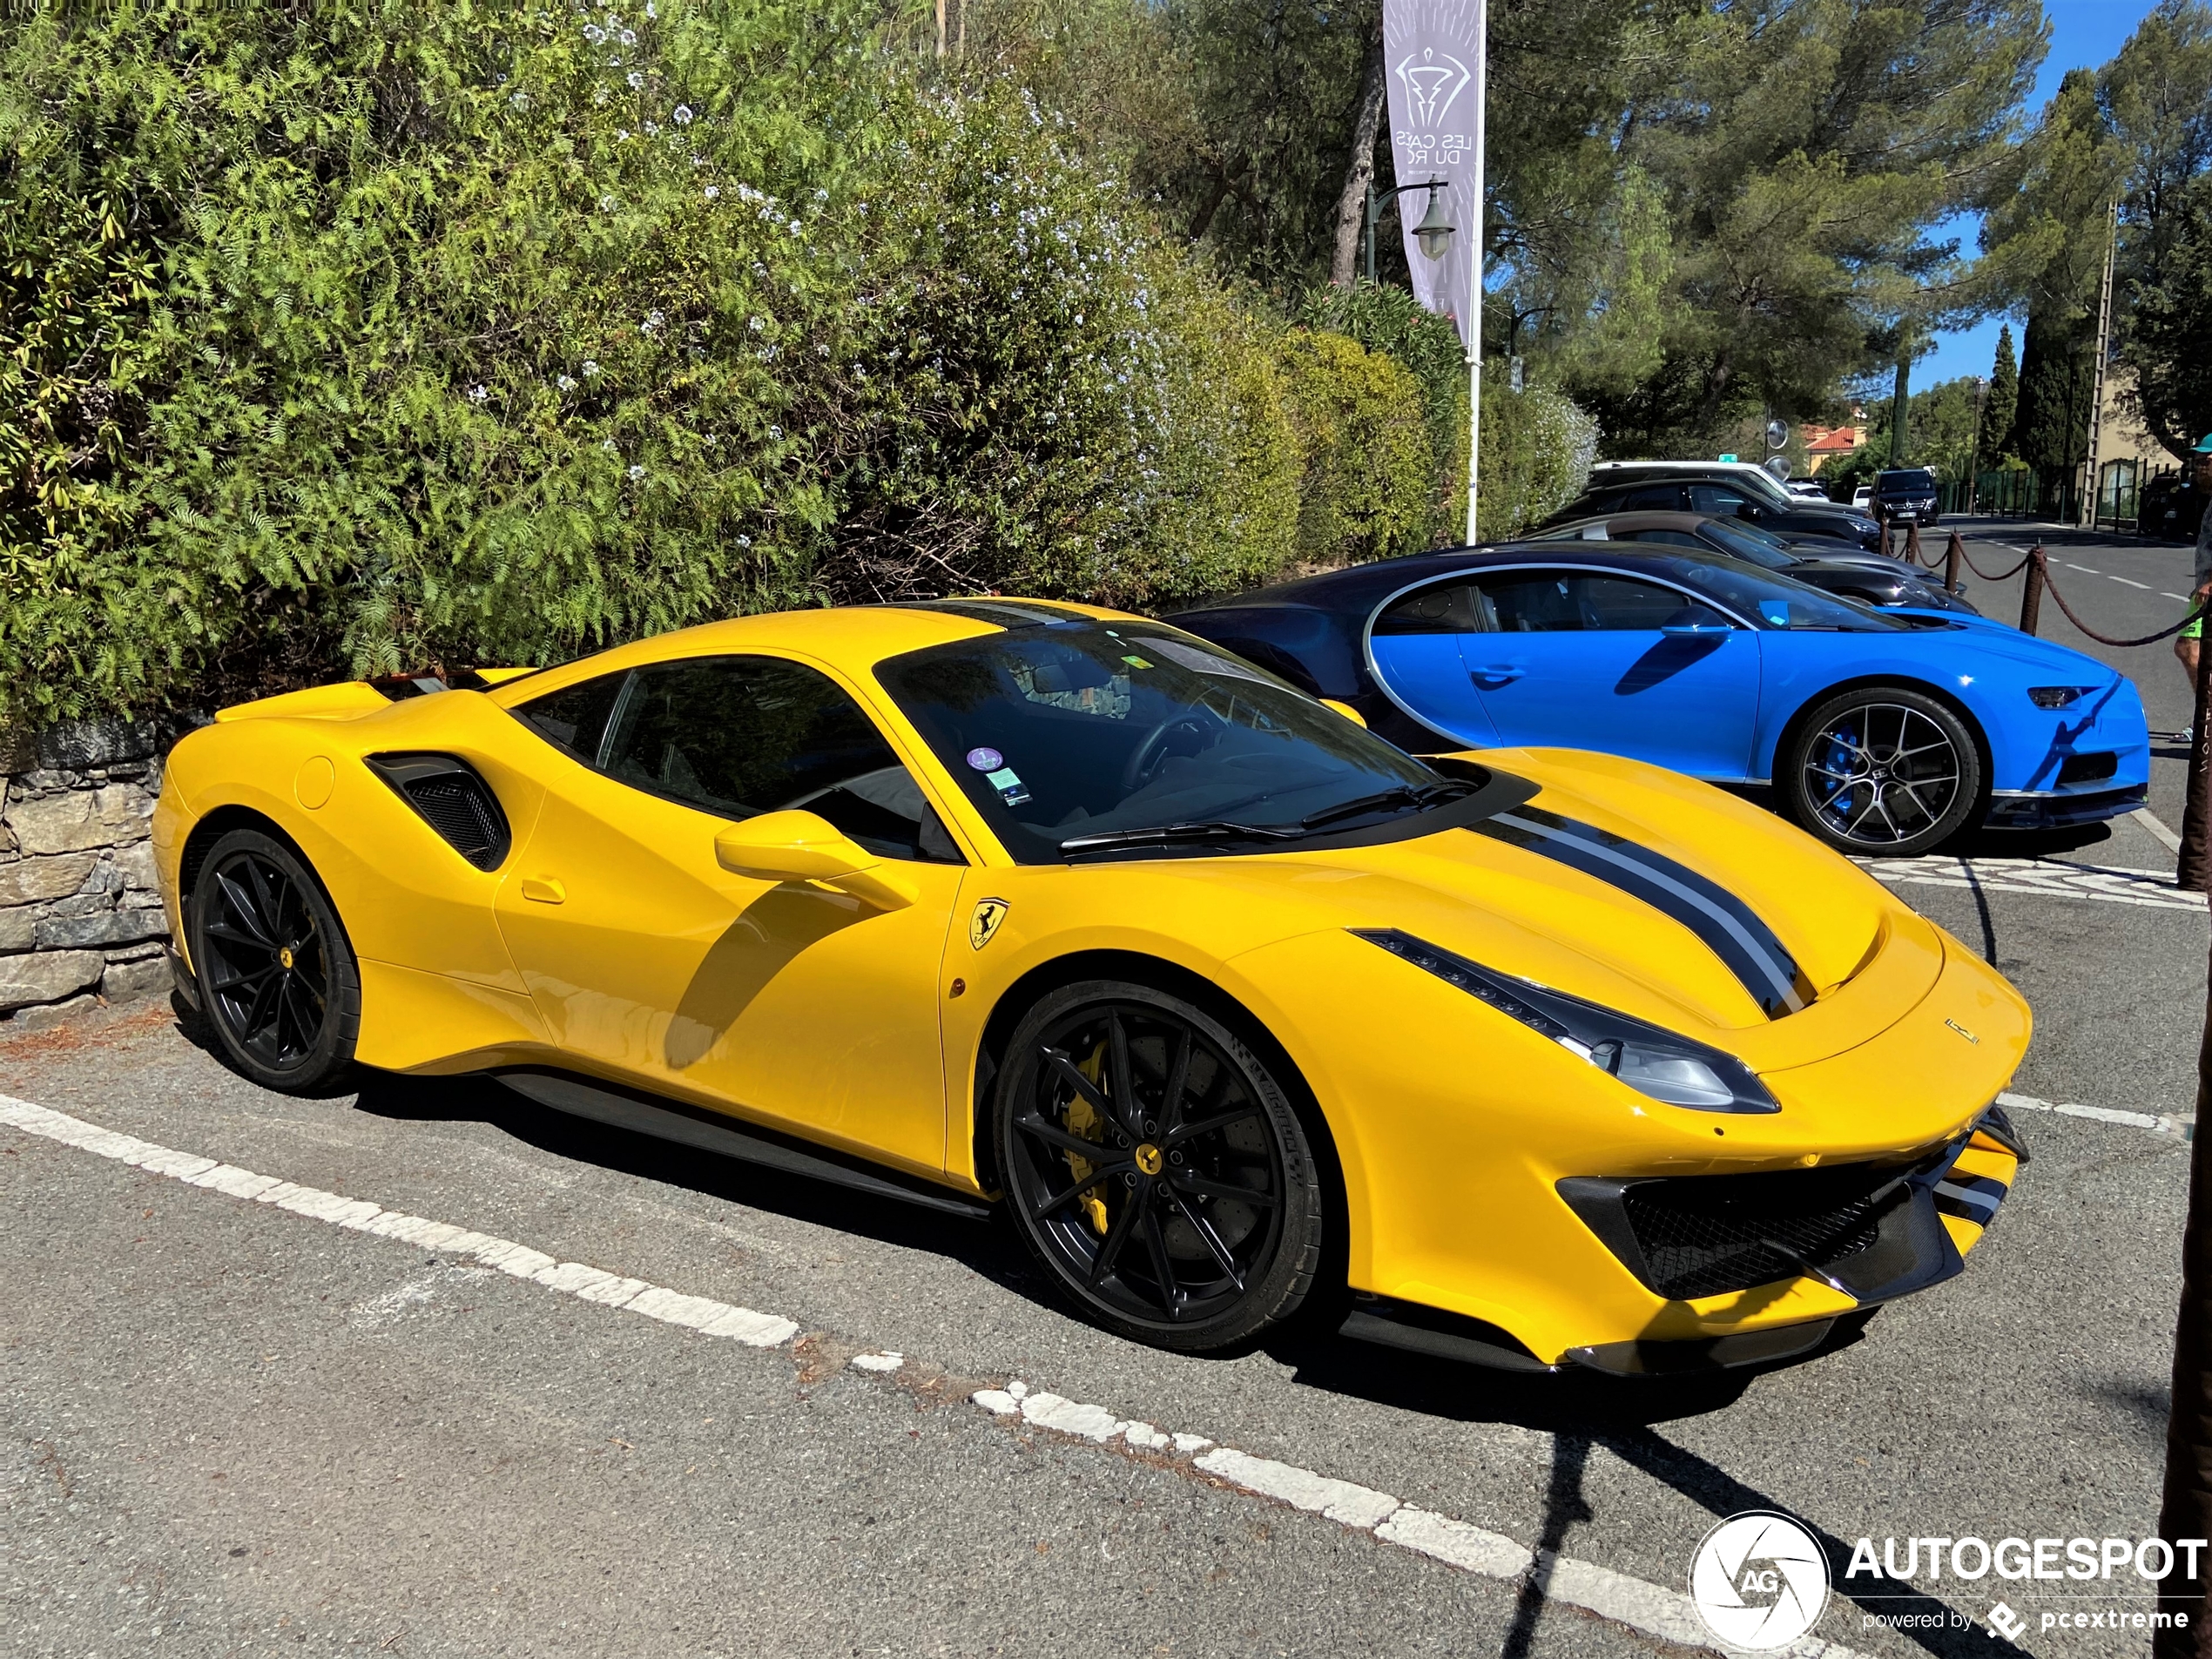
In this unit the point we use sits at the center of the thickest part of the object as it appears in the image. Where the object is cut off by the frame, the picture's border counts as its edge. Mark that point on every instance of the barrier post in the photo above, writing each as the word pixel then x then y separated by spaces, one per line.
pixel 2193 868
pixel 1950 557
pixel 2032 595
pixel 1912 540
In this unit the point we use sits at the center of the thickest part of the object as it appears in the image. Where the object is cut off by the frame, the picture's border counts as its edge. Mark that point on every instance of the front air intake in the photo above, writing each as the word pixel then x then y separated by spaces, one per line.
pixel 449 796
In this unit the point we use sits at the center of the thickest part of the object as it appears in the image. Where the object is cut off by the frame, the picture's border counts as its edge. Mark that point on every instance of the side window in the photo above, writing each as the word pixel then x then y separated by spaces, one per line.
pixel 1533 602
pixel 1671 538
pixel 1652 498
pixel 1445 608
pixel 742 735
pixel 575 718
pixel 1716 499
pixel 1618 604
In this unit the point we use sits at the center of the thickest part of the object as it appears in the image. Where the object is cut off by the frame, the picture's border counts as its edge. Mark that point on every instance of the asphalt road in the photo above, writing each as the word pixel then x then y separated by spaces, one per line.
pixel 230 1428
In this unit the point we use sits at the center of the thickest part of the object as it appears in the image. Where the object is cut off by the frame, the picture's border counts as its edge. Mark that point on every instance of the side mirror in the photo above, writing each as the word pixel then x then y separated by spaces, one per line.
pixel 805 846
pixel 1345 709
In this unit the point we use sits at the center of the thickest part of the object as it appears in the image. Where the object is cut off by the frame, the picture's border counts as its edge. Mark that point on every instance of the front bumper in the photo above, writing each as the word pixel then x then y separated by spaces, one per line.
pixel 2042 809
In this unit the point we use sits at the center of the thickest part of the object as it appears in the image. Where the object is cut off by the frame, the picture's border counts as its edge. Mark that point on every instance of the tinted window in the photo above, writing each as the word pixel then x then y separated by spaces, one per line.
pixel 1719 500
pixel 1549 602
pixel 1750 543
pixel 1446 608
pixel 1667 538
pixel 1779 602
pixel 575 718
pixel 1651 498
pixel 1080 730
pixel 737 736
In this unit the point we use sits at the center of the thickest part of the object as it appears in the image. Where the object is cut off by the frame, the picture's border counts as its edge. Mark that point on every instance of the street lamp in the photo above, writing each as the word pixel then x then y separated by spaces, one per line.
pixel 1433 233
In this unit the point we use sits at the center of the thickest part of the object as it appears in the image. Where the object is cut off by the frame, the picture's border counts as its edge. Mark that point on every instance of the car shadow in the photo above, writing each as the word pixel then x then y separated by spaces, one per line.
pixel 982 1245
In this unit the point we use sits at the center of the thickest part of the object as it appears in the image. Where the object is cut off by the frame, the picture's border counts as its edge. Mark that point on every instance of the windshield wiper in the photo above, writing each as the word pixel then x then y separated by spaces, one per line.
pixel 1168 835
pixel 1382 800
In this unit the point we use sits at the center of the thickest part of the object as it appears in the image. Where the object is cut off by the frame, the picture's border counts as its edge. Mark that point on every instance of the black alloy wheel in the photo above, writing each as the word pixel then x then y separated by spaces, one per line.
pixel 1882 770
pixel 1155 1167
pixel 277 975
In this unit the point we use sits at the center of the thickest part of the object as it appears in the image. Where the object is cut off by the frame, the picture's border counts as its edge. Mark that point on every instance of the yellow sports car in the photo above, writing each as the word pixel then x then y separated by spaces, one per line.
pixel 1535 1057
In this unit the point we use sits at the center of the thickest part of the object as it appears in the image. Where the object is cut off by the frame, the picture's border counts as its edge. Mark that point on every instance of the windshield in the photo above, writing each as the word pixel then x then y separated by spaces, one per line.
pixel 1751 544
pixel 1081 734
pixel 1777 602
pixel 1920 478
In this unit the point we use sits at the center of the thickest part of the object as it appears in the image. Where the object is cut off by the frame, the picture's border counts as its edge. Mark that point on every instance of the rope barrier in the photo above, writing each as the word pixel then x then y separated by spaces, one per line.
pixel 2037 555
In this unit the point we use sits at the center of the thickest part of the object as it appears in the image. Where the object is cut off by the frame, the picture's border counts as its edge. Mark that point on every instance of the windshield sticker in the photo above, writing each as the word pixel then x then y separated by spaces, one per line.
pixel 986 759
pixel 1007 782
pixel 1137 662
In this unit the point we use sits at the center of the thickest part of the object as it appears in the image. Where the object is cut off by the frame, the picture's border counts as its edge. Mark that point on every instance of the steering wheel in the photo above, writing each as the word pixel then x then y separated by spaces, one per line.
pixel 1148 755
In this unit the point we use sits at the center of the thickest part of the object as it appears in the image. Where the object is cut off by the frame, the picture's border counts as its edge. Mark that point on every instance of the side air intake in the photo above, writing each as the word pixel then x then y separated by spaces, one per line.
pixel 452 800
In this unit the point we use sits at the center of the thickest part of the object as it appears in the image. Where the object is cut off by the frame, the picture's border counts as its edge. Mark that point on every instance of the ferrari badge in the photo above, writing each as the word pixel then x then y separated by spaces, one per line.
pixel 985 922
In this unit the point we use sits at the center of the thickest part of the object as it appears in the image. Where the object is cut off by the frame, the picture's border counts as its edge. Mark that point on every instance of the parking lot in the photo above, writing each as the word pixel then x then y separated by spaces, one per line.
pixel 233 1427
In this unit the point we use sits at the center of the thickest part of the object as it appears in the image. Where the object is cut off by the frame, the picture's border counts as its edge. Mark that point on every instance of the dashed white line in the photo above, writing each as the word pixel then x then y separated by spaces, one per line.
pixel 2084 569
pixel 2183 597
pixel 2144 586
pixel 1665 1614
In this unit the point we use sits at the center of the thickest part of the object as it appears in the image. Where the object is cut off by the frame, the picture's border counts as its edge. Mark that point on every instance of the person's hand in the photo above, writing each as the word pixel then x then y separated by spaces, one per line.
pixel 2204 588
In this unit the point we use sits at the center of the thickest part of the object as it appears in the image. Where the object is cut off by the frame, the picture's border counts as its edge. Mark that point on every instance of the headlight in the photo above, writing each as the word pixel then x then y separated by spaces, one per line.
pixel 2057 697
pixel 1649 1059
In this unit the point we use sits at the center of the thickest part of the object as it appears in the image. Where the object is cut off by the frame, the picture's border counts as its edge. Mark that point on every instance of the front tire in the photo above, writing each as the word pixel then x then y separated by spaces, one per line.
pixel 1881 770
pixel 1156 1168
pixel 279 982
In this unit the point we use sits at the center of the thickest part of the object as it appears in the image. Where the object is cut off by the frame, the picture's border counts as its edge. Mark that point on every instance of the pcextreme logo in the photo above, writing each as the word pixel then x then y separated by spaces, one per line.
pixel 1759 1581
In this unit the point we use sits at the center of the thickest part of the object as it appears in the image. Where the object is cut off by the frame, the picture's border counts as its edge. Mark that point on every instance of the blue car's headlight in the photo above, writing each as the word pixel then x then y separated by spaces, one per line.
pixel 1649 1059
pixel 2057 697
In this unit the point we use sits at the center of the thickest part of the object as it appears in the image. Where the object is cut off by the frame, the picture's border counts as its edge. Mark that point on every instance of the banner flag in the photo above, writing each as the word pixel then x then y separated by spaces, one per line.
pixel 1432 53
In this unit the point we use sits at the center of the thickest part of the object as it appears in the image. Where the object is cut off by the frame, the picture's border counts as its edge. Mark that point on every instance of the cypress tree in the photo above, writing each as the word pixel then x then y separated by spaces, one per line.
pixel 1999 403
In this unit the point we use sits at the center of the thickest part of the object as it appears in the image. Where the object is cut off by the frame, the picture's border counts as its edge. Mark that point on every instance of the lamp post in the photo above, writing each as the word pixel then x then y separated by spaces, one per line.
pixel 1433 233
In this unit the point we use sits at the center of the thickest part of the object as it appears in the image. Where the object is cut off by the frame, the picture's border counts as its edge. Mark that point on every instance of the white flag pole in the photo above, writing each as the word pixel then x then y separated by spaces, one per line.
pixel 1474 257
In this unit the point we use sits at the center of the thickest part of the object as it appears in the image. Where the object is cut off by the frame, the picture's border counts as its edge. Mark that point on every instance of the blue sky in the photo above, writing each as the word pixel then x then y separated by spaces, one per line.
pixel 2084 34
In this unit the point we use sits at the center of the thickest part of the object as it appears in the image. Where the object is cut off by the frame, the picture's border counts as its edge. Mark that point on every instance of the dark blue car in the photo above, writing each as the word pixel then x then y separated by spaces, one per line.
pixel 1880 731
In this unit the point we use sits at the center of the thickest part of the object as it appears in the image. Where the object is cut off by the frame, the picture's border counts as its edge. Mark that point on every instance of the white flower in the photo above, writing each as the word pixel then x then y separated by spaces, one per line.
pixel 520 100
pixel 593 33
pixel 637 80
pixel 796 227
pixel 598 95
pixel 712 190
pixel 651 325
pixel 629 37
pixel 590 368
pixel 607 444
pixel 775 432
pixel 635 473
pixel 682 118
pixel 565 383
pixel 757 325
pixel 652 129
pixel 744 541
pixel 606 204
pixel 478 393
pixel 622 135
pixel 821 195
pixel 650 12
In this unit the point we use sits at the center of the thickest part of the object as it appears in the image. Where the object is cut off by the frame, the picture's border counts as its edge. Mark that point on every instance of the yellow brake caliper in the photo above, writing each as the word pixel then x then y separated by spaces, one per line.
pixel 1083 1120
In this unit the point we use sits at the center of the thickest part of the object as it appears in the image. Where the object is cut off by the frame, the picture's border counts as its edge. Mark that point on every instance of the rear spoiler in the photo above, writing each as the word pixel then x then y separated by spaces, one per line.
pixel 349 699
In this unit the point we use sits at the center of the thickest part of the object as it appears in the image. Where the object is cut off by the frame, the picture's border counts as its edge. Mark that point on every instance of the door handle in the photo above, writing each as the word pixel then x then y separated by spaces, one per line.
pixel 1498 671
pixel 544 891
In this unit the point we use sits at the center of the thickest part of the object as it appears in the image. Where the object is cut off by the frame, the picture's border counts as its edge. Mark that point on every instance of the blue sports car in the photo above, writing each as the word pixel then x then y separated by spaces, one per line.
pixel 1880 731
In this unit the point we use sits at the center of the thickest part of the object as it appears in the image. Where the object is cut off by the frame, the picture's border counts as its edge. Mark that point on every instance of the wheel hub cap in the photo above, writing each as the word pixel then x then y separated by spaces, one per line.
pixel 284 956
pixel 1148 1158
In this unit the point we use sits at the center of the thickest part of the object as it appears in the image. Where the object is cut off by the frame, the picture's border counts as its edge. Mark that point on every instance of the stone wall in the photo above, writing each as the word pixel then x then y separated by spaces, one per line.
pixel 81 920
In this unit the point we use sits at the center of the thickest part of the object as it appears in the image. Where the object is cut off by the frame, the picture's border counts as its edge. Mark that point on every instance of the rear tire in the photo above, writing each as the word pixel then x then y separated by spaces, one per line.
pixel 1156 1168
pixel 278 981
pixel 1881 771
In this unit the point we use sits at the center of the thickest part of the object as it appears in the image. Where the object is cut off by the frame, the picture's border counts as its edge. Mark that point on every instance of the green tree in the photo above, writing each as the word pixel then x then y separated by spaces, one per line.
pixel 2169 341
pixel 1993 443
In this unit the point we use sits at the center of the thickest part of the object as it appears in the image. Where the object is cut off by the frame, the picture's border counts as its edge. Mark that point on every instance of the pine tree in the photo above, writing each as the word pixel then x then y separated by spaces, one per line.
pixel 1995 440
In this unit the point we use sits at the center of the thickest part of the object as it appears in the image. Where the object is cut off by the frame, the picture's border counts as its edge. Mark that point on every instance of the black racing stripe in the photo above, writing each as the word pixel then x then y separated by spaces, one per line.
pixel 1005 613
pixel 1729 926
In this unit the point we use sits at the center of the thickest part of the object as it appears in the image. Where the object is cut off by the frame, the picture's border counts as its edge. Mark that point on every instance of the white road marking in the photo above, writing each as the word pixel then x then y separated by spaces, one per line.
pixel 2111 884
pixel 2144 586
pixel 2086 570
pixel 2183 597
pixel 2184 1127
pixel 1643 1607
pixel 2156 825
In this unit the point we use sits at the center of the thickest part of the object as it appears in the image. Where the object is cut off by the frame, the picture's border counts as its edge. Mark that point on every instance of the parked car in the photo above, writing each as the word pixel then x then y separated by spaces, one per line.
pixel 1221 960
pixel 2171 509
pixel 1868 577
pixel 1718 488
pixel 1863 498
pixel 1907 496
pixel 1880 731
pixel 1807 488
